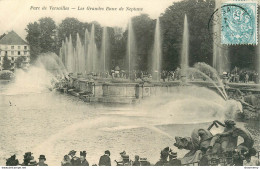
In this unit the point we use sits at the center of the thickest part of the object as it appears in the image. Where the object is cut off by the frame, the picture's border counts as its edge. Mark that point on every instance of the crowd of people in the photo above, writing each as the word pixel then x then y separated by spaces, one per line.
pixel 235 75
pixel 27 161
pixel 243 77
pixel 168 158
pixel 205 150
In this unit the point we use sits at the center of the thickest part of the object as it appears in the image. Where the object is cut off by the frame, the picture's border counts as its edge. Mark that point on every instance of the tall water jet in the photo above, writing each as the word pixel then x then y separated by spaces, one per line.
pixel 75 60
pixel 92 54
pixel 86 44
pixel 80 56
pixel 185 48
pixel 63 52
pixel 70 60
pixel 220 52
pixel 105 51
pixel 131 50
pixel 156 60
pixel 258 58
pixel 66 53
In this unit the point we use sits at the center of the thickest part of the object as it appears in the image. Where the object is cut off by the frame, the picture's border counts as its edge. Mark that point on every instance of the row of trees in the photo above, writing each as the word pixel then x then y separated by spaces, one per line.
pixel 45 36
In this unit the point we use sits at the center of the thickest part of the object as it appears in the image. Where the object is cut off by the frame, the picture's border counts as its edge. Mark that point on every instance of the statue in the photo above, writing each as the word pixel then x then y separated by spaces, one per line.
pixel 204 146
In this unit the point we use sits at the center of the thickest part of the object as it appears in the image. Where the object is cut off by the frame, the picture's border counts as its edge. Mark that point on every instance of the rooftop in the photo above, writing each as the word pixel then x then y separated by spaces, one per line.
pixel 12 38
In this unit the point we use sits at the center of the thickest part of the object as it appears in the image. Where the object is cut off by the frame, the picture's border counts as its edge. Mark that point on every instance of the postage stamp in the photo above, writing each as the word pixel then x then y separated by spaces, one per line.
pixel 239 23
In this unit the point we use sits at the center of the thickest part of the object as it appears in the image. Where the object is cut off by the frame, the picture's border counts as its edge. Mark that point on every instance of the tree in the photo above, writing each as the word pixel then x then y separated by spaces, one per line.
pixel 33 38
pixel 6 63
pixel 41 37
pixel 71 26
pixel 47 35
pixel 200 43
pixel 19 61
pixel 144 30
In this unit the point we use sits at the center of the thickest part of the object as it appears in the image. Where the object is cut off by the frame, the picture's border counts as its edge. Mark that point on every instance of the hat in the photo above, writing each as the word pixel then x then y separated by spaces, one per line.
pixel 27 154
pixel 72 152
pixel 166 149
pixel 107 152
pixel 123 153
pixel 173 154
pixel 83 153
pixel 230 122
pixel 42 157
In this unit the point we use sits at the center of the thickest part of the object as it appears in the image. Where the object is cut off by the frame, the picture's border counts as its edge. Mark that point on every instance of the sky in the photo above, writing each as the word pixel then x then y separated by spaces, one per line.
pixel 16 14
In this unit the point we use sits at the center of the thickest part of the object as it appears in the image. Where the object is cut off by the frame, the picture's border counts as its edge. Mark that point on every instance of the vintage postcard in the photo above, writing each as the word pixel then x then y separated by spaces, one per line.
pixel 129 83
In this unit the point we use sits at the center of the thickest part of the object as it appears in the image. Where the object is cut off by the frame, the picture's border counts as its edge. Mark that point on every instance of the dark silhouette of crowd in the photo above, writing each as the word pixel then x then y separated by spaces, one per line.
pixel 167 158
pixel 27 161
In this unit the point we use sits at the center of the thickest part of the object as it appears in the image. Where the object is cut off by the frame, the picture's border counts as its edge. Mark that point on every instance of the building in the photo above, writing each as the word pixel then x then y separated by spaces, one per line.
pixel 14 47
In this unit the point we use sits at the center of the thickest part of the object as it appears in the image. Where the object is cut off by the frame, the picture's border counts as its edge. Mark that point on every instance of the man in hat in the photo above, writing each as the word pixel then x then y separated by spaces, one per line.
pixel 125 161
pixel 105 159
pixel 163 158
pixel 136 162
pixel 66 161
pixel 75 161
pixel 173 161
pixel 42 160
pixel 83 161
pixel 27 158
pixel 72 153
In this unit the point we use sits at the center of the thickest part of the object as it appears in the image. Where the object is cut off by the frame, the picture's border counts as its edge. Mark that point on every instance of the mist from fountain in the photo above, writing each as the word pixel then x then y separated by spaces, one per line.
pixel 213 75
pixel 194 70
pixel 185 48
pixel 131 49
pixel 157 53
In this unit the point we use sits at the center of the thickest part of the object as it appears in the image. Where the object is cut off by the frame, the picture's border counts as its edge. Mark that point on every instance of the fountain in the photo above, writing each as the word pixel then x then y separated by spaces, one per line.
pixel 92 52
pixel 70 56
pixel 185 50
pixel 220 52
pixel 87 39
pixel 157 54
pixel 258 58
pixel 131 50
pixel 104 51
pixel 83 57
pixel 80 56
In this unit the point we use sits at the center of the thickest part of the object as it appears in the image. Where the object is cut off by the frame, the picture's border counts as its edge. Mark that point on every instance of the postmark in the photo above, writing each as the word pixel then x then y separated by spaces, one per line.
pixel 239 23
pixel 214 28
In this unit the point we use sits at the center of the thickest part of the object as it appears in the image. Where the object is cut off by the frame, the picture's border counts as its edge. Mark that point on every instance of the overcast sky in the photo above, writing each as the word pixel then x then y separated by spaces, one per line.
pixel 16 14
